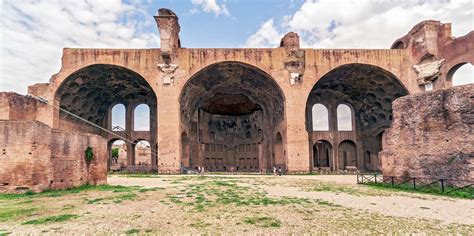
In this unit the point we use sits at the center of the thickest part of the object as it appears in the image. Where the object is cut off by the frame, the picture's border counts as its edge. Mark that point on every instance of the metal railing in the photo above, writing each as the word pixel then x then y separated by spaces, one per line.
pixel 440 185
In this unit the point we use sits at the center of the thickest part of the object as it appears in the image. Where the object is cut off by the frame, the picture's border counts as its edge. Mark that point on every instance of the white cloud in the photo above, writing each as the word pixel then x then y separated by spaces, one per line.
pixel 368 23
pixel 33 34
pixel 266 36
pixel 209 6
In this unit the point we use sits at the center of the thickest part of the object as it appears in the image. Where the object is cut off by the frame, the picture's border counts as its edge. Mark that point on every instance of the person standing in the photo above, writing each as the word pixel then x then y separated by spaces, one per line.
pixel 280 171
pixel 274 170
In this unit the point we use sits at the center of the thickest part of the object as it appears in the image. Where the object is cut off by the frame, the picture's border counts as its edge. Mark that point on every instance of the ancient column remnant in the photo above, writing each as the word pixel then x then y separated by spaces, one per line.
pixel 169 28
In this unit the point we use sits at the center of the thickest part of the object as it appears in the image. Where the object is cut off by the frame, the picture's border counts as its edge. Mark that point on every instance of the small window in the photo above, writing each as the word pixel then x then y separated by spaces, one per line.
pixel 141 118
pixel 118 117
pixel 344 118
pixel 320 117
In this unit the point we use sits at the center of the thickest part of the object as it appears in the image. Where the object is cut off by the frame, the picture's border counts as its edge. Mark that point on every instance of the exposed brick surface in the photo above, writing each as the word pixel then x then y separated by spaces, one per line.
pixel 432 135
pixel 34 156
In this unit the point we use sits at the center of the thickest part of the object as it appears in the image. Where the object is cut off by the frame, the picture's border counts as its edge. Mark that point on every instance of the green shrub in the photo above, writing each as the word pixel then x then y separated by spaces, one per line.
pixel 88 155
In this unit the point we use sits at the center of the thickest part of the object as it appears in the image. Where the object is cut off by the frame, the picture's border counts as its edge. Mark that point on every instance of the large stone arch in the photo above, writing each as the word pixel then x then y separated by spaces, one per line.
pixel 91 91
pixel 231 112
pixel 369 91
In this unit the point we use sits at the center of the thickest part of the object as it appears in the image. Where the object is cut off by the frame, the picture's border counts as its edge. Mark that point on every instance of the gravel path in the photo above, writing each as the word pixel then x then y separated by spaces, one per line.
pixel 446 210
pixel 144 182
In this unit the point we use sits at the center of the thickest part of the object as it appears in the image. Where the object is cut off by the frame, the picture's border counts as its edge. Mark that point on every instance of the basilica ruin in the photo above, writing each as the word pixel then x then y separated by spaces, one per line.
pixel 246 110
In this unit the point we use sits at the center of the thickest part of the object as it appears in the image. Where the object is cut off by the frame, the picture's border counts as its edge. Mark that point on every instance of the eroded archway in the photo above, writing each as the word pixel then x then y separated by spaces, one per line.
pixel 93 91
pixel 367 92
pixel 231 113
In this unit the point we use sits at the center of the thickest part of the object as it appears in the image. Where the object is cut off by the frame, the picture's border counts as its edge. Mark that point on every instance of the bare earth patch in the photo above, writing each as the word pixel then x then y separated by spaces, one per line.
pixel 233 204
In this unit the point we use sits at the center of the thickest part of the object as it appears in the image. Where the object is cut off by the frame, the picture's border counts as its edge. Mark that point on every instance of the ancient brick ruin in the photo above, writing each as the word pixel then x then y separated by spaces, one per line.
pixel 238 109
pixel 432 135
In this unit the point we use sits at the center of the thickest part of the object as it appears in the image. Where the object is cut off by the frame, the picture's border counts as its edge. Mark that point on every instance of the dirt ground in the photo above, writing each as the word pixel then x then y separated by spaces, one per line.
pixel 236 204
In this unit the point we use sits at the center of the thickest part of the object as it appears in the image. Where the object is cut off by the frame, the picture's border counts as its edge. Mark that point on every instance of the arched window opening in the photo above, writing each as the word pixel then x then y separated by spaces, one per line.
pixel 141 118
pixel 344 118
pixel 143 153
pixel 118 155
pixel 463 75
pixel 398 45
pixel 320 117
pixel 347 155
pixel 321 154
pixel 118 117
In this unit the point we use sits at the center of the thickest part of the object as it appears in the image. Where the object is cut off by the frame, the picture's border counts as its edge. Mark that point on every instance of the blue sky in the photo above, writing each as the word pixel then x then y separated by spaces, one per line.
pixel 201 30
pixel 34 32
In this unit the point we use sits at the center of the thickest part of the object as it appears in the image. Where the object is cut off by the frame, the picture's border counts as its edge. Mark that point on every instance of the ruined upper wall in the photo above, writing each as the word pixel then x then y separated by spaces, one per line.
pixel 169 28
pixel 434 52
pixel 14 106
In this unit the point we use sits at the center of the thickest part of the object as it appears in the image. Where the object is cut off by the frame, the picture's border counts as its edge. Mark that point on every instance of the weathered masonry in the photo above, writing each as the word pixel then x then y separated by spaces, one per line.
pixel 243 109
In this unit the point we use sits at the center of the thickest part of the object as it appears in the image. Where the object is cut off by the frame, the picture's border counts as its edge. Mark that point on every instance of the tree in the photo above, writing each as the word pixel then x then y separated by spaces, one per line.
pixel 115 154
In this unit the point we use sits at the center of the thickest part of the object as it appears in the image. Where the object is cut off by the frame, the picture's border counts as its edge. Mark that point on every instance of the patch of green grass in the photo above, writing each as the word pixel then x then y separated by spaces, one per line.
pixel 326 203
pixel 95 200
pixel 115 199
pixel 132 231
pixel 467 193
pixel 143 190
pixel 4 232
pixel 59 193
pixel 218 192
pixel 50 219
pixel 124 197
pixel 68 207
pixel 263 221
pixel 335 188
pixel 14 196
pixel 199 224
pixel 8 213
pixel 25 202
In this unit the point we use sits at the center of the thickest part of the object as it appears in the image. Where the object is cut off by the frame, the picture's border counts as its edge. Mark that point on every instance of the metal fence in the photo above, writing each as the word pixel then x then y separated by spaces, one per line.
pixel 420 184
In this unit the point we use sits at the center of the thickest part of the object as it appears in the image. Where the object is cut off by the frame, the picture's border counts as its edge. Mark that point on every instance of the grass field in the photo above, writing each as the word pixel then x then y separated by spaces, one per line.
pixel 139 204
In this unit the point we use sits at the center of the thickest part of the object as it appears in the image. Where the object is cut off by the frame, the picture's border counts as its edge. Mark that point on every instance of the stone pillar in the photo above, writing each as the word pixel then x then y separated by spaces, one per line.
pixel 128 131
pixel 153 136
pixel 169 148
pixel 130 153
pixel 296 134
pixel 335 156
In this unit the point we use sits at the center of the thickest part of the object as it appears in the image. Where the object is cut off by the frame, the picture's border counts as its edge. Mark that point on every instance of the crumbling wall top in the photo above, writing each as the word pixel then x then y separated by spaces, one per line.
pixel 291 41
pixel 169 28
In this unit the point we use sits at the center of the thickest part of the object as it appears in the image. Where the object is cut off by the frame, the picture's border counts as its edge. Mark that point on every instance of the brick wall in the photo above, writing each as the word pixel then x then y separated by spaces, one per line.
pixel 432 135
pixel 34 156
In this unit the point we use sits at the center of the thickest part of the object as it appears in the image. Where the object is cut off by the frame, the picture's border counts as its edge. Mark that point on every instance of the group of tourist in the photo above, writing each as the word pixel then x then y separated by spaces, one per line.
pixel 279 170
